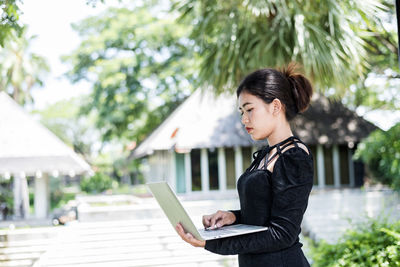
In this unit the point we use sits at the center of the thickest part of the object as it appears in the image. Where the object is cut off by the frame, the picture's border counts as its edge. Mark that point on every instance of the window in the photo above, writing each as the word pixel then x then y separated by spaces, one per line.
pixel 344 165
pixel 230 168
pixel 328 160
pixel 196 169
pixel 246 157
pixel 213 169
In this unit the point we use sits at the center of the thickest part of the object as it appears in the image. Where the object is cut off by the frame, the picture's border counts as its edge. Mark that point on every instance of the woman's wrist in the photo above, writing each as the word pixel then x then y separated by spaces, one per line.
pixel 232 217
pixel 236 214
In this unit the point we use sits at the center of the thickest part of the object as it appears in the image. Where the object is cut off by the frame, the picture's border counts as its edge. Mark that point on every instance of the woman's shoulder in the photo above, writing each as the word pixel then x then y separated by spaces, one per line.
pixel 295 163
pixel 298 150
pixel 297 155
pixel 295 149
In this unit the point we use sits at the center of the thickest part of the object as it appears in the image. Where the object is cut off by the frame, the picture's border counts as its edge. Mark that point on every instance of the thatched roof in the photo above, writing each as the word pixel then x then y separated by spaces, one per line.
pixel 330 122
pixel 206 121
pixel 27 146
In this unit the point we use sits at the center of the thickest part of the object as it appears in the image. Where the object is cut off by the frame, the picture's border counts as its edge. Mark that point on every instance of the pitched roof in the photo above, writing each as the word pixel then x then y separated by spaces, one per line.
pixel 207 121
pixel 328 121
pixel 27 146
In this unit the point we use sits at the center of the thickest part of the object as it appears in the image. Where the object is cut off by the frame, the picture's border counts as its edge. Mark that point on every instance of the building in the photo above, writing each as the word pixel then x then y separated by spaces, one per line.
pixel 202 146
pixel 28 149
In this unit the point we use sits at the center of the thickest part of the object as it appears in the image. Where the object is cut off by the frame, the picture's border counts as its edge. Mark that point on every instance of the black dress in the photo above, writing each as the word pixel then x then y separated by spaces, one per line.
pixel 277 200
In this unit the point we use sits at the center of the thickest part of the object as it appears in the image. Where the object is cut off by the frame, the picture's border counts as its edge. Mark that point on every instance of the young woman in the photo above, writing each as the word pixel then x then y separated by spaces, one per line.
pixel 274 190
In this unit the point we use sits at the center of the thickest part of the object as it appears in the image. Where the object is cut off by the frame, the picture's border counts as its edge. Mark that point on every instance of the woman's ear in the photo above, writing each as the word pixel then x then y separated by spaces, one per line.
pixel 276 106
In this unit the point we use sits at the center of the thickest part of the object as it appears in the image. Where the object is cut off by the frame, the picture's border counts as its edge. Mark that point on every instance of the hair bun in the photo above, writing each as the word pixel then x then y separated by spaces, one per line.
pixel 301 87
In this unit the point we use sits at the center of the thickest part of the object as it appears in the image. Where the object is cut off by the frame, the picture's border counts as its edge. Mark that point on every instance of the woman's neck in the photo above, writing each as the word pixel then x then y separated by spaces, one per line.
pixel 281 133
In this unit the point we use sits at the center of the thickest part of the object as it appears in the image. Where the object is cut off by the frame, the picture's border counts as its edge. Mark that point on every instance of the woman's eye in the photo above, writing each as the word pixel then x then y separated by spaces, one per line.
pixel 249 110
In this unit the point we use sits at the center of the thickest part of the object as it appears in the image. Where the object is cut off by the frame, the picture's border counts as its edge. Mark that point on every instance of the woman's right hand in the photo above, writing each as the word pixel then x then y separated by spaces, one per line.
pixel 218 219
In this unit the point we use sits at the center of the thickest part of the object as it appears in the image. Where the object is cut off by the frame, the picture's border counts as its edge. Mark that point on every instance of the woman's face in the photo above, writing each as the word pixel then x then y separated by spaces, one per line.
pixel 257 116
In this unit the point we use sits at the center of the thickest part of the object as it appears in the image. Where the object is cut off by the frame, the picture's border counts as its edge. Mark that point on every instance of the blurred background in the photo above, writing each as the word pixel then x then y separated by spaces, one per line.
pixel 99 97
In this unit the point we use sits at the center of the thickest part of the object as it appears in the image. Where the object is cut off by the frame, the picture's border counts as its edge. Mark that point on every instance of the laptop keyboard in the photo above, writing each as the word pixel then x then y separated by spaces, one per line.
pixel 217 232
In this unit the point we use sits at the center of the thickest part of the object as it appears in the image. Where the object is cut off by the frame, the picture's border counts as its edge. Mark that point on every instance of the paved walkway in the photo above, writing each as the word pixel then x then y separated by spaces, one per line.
pixel 143 237
pixel 126 243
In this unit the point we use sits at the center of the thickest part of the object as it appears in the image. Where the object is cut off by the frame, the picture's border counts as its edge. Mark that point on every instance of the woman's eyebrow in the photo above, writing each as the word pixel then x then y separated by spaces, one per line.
pixel 245 104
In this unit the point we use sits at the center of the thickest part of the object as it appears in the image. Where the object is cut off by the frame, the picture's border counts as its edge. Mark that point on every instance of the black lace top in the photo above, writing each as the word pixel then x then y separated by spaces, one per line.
pixel 277 200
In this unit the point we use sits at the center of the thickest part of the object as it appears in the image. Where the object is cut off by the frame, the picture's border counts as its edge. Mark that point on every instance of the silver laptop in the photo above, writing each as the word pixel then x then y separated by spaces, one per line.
pixel 175 212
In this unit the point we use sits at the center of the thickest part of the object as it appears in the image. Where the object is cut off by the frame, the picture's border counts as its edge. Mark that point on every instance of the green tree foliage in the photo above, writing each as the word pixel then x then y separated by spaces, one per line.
pixel 380 92
pixel 337 42
pixel 20 68
pixel 6 195
pixel 381 152
pixel 65 121
pixel 58 195
pixel 98 183
pixel 375 243
pixel 380 89
pixel 141 67
pixel 79 132
pixel 9 16
pixel 380 36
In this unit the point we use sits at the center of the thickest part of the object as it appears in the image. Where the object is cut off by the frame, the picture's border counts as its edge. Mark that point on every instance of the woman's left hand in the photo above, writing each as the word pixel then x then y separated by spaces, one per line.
pixel 188 237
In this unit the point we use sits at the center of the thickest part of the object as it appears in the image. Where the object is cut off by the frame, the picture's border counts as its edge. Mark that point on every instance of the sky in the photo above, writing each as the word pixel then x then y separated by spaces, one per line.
pixel 51 21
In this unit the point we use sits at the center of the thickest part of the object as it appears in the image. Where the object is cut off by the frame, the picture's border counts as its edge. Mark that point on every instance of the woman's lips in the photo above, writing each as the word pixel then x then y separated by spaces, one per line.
pixel 248 129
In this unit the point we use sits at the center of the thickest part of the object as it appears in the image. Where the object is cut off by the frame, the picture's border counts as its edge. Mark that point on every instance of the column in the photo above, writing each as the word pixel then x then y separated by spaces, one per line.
pixel 205 179
pixel 21 196
pixel 188 173
pixel 351 168
pixel 238 162
pixel 42 196
pixel 17 195
pixel 221 169
pixel 172 171
pixel 321 166
pixel 336 166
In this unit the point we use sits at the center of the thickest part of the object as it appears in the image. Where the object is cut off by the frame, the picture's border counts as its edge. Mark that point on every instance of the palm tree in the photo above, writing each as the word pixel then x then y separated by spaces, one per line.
pixel 329 38
pixel 9 19
pixel 20 69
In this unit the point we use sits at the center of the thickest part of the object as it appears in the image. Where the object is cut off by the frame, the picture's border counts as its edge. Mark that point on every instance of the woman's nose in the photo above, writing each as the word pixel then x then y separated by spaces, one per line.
pixel 245 119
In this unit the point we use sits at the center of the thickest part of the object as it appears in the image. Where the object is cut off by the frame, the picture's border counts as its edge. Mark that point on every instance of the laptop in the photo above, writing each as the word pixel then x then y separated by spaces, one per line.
pixel 175 212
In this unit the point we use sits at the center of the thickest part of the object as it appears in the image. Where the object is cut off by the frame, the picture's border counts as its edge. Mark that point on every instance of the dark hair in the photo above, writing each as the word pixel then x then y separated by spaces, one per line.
pixel 288 85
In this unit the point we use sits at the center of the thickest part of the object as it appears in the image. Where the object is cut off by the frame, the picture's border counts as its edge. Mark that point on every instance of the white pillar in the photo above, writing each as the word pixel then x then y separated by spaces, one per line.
pixel 21 196
pixel 351 168
pixel 172 171
pixel 25 196
pixel 42 196
pixel 17 196
pixel 336 166
pixel 205 177
pixel 188 173
pixel 238 162
pixel 221 169
pixel 321 166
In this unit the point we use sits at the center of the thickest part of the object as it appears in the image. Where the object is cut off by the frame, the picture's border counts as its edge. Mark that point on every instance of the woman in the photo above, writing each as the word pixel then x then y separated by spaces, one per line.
pixel 274 190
